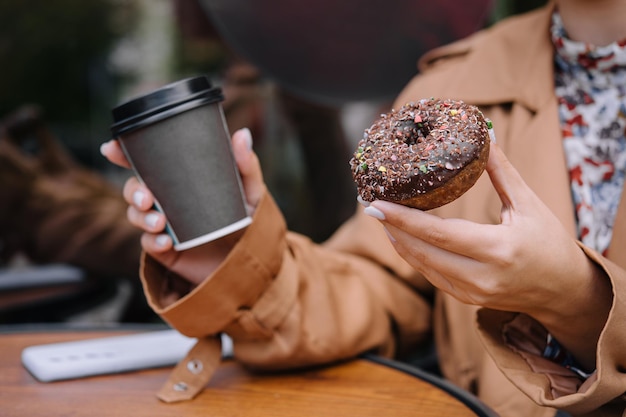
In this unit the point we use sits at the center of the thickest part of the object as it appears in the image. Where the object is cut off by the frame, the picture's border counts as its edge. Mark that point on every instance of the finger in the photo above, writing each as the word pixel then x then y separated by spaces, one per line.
pixel 112 151
pixel 425 257
pixel 161 248
pixel 505 178
pixel 157 245
pixel 151 221
pixel 249 166
pixel 137 194
pixel 453 235
pixel 437 264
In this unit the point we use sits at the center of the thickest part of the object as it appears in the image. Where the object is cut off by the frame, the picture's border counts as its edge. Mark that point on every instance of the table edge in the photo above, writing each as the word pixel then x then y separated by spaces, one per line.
pixel 467 398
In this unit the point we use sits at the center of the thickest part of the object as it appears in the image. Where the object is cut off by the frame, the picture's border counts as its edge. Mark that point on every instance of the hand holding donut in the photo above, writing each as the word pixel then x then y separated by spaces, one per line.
pixel 528 263
pixel 197 263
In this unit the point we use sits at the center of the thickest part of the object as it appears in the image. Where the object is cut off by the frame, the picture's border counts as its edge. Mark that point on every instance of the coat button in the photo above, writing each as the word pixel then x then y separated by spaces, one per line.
pixel 195 366
pixel 180 387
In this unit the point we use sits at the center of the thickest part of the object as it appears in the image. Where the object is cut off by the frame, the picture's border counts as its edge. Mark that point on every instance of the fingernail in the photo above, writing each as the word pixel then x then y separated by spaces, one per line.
pixel 138 198
pixel 362 202
pixel 103 148
pixel 247 135
pixel 374 212
pixel 151 219
pixel 162 240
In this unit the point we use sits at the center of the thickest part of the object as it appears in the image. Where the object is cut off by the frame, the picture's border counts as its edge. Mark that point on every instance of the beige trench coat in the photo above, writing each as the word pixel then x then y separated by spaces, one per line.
pixel 288 302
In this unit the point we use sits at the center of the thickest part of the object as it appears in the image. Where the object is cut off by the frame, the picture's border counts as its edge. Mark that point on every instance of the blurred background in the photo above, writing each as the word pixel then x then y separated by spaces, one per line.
pixel 307 79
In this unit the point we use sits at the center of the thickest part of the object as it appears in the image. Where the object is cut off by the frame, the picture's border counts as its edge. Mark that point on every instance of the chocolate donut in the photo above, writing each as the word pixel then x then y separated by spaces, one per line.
pixel 423 155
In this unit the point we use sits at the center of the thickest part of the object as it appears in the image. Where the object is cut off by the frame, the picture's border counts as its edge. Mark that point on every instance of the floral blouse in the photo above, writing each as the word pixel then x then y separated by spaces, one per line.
pixel 591 87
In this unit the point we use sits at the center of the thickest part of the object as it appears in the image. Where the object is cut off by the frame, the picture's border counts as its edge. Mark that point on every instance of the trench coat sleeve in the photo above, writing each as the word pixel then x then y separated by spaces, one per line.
pixel 54 210
pixel 287 302
pixel 516 342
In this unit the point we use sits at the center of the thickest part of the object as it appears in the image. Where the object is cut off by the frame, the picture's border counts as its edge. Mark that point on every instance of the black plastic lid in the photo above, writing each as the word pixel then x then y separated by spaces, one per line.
pixel 165 102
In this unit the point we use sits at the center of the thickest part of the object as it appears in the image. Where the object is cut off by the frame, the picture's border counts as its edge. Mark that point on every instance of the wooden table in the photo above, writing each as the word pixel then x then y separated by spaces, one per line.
pixel 363 387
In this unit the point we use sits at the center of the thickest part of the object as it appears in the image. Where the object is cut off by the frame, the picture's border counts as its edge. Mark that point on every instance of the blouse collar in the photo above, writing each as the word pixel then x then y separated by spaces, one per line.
pixel 575 56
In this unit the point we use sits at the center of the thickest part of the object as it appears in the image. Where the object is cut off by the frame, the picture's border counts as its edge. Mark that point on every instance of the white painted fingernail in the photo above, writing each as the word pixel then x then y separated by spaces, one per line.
pixel 362 202
pixel 374 212
pixel 138 197
pixel 162 240
pixel 247 135
pixel 151 219
pixel 103 147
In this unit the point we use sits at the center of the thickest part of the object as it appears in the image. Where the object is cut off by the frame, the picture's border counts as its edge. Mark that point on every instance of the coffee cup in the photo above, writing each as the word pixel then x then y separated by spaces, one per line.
pixel 179 146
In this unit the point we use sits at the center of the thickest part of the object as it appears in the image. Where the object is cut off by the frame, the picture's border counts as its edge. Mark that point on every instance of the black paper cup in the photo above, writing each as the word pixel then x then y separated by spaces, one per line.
pixel 178 144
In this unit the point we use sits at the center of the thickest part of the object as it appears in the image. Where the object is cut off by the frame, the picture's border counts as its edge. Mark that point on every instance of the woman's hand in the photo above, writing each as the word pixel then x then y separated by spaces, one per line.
pixel 197 263
pixel 528 263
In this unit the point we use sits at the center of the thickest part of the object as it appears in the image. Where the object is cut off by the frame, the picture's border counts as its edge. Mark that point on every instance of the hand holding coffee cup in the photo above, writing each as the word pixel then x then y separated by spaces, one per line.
pixel 177 142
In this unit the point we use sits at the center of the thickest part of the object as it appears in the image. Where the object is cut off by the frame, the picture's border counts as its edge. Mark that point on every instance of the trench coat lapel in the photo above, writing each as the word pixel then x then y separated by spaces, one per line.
pixel 545 170
pixel 535 147
pixel 521 78
pixel 537 153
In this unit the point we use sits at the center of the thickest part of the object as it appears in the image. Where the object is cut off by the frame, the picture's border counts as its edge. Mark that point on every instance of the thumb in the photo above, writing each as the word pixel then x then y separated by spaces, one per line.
pixel 112 150
pixel 249 166
pixel 506 180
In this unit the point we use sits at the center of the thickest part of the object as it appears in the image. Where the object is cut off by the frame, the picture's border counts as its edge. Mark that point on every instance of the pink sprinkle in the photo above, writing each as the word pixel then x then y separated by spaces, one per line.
pixel 418 119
